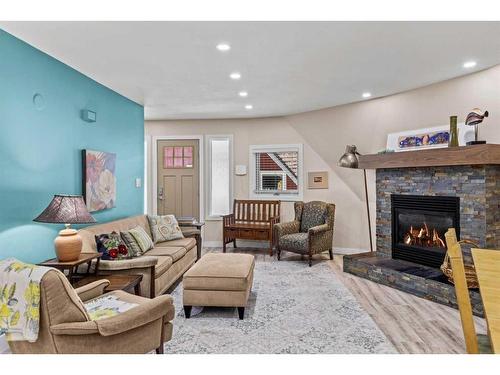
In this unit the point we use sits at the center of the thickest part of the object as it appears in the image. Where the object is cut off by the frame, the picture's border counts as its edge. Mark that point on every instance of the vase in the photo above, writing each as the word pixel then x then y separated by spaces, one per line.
pixel 453 140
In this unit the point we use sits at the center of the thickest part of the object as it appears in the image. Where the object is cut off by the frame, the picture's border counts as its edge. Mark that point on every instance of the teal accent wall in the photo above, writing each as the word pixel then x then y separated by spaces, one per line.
pixel 41 139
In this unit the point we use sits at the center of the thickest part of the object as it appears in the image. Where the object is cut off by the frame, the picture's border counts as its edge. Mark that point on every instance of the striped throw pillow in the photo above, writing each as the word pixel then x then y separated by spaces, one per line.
pixel 133 247
pixel 142 238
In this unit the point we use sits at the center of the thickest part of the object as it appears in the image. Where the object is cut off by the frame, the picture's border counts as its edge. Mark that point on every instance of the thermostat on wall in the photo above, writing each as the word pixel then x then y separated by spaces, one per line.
pixel 88 115
pixel 241 170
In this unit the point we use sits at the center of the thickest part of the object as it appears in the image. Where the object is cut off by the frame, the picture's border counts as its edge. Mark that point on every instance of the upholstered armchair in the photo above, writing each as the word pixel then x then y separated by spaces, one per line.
pixel 65 326
pixel 310 233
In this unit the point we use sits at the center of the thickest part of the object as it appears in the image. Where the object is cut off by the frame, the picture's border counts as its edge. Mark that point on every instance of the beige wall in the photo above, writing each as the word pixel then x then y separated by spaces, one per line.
pixel 246 133
pixel 325 133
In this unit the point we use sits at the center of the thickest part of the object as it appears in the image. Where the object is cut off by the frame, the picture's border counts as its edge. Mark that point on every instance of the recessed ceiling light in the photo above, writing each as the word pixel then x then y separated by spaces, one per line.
pixel 243 94
pixel 235 75
pixel 223 47
pixel 366 95
pixel 248 106
pixel 470 64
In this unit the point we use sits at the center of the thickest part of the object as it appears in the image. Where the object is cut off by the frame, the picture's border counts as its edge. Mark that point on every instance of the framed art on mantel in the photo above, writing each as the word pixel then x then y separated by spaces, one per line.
pixel 425 138
pixel 99 180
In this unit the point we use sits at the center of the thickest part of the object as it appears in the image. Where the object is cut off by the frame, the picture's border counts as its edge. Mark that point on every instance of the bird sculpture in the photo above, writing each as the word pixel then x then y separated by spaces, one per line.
pixel 475 118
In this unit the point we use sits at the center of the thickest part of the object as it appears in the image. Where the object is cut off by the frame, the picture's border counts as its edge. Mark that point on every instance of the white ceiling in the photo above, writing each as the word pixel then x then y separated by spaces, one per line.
pixel 174 69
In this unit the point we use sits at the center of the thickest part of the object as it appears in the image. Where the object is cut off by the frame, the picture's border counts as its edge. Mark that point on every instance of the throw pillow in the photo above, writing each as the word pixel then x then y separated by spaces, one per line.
pixel 164 228
pixel 111 246
pixel 142 238
pixel 133 247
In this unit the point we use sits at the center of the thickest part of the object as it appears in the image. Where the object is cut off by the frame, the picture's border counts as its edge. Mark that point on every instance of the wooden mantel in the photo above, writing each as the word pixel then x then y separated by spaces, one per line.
pixel 465 155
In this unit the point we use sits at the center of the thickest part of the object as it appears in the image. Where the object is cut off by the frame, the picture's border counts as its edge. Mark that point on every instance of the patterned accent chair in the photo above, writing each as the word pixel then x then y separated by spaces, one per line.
pixel 310 233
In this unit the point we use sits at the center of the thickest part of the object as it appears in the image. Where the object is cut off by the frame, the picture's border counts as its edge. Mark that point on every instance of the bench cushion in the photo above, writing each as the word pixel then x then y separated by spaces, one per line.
pixel 221 272
pixel 249 225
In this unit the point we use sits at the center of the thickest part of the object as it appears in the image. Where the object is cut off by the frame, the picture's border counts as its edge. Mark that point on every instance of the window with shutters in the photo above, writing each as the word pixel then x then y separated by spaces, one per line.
pixel 276 172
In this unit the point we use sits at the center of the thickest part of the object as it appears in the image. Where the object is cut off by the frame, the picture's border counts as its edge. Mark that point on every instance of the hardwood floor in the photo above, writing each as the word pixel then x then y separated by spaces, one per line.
pixel 414 325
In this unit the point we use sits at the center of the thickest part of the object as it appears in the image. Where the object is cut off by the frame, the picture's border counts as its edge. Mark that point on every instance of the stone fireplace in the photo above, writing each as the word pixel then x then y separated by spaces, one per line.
pixel 415 207
pixel 465 196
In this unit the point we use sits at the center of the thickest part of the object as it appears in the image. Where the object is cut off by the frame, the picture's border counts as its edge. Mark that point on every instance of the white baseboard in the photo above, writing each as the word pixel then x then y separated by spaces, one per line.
pixel 4 347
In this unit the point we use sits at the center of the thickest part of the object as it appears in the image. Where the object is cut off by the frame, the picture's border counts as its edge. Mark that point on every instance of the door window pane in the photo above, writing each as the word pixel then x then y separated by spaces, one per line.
pixel 169 163
pixel 188 157
pixel 178 157
pixel 168 157
pixel 178 163
pixel 178 152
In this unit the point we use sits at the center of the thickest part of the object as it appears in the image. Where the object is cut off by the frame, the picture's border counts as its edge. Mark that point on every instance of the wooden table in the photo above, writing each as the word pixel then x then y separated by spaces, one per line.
pixel 72 266
pixel 116 282
pixel 487 263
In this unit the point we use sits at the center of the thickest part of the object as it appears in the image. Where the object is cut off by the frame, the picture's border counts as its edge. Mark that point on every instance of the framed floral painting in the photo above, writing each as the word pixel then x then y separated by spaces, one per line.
pixel 99 180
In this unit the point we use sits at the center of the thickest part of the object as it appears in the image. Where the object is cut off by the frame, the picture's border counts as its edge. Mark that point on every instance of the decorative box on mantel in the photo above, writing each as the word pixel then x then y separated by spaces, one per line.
pixel 419 195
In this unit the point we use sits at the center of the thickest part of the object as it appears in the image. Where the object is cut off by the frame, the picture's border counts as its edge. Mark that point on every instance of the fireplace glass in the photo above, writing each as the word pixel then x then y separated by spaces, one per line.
pixel 418 227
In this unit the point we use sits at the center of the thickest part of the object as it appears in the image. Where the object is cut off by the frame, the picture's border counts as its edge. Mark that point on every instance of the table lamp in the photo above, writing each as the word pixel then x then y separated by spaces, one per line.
pixel 350 160
pixel 67 210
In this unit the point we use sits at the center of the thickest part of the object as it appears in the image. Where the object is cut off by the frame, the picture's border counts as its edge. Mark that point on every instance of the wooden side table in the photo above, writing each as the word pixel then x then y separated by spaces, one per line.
pixel 126 283
pixel 193 229
pixel 72 266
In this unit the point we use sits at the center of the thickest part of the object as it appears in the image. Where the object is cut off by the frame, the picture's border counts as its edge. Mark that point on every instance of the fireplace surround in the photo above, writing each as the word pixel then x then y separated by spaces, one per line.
pixel 476 187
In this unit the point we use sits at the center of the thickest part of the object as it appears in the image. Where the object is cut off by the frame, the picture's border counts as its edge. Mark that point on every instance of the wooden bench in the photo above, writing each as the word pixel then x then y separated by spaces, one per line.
pixel 251 220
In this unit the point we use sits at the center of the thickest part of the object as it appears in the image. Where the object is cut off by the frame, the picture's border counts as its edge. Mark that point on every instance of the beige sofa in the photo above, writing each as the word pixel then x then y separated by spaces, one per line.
pixel 161 267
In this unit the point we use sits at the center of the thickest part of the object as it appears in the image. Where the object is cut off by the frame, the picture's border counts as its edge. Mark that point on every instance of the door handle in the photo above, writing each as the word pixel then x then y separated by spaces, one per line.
pixel 160 194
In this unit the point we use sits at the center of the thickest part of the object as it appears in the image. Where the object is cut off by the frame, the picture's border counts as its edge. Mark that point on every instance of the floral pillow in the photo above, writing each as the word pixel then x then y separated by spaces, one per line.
pixel 111 246
pixel 164 228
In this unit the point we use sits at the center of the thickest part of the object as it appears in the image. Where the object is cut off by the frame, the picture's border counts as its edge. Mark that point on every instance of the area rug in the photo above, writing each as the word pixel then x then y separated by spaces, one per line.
pixel 293 308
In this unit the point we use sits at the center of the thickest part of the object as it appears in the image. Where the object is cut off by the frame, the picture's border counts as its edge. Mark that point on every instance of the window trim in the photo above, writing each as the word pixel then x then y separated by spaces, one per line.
pixel 253 149
pixel 208 158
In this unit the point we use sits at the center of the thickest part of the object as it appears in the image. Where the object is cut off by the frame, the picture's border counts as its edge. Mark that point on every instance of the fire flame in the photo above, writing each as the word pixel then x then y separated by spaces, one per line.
pixel 423 237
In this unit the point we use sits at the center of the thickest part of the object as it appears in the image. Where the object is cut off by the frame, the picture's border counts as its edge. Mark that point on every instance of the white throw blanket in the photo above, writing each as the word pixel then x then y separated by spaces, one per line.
pixel 20 299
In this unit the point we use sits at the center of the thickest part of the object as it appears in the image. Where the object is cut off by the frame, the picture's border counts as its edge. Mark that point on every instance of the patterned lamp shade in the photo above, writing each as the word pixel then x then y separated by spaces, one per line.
pixel 66 209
